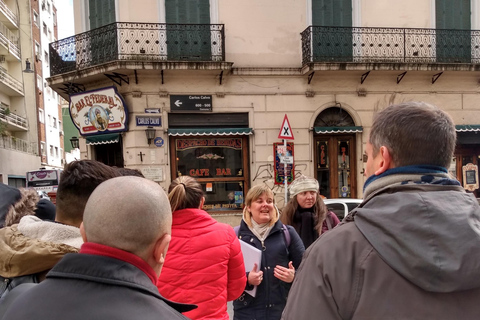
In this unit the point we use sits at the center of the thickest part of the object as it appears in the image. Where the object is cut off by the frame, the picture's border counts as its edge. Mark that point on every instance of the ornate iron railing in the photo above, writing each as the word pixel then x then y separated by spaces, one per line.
pixel 7 79
pixel 390 45
pixel 146 42
pixel 12 118
pixel 8 142
pixel 8 12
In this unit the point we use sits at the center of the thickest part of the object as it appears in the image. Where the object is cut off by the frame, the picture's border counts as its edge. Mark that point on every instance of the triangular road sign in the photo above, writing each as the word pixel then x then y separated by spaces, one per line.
pixel 285 131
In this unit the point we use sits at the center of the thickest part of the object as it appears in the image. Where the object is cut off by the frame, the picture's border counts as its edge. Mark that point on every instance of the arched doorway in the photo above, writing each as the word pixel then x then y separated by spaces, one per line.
pixel 335 153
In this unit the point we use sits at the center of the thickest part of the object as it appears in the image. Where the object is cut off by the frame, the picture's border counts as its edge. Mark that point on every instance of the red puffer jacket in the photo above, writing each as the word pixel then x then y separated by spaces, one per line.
pixel 204 265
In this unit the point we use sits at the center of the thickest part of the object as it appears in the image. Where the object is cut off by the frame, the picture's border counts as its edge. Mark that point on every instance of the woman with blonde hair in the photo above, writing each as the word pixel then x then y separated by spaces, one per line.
pixel 204 264
pixel 306 211
pixel 282 251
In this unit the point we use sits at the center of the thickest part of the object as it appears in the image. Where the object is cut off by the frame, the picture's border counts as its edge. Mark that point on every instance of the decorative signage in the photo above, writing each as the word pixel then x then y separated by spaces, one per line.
pixel 154 121
pixel 158 141
pixel 99 111
pixel 279 167
pixel 470 177
pixel 190 103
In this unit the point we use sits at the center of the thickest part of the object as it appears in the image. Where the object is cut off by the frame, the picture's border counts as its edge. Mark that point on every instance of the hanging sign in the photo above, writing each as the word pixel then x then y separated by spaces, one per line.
pixel 99 111
pixel 285 130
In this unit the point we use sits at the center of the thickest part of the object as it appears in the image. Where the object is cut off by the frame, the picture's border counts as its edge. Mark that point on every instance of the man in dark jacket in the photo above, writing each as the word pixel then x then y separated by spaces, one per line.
pixel 126 228
pixel 411 249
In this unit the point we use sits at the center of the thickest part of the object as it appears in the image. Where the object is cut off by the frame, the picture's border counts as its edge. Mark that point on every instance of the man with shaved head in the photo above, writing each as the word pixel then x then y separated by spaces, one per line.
pixel 126 228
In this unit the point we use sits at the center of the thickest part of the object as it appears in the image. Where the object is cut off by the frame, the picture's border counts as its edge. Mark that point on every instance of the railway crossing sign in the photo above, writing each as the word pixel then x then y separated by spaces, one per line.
pixel 286 130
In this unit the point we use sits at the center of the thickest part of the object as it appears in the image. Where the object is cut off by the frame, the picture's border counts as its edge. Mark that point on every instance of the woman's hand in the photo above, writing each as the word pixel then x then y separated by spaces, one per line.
pixel 255 277
pixel 284 274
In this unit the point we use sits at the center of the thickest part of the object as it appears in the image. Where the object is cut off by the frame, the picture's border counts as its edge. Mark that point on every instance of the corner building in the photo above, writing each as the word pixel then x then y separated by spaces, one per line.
pixel 206 85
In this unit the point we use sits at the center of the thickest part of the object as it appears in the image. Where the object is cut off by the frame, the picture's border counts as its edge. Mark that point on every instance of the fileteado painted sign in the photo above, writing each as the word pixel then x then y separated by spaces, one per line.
pixel 99 111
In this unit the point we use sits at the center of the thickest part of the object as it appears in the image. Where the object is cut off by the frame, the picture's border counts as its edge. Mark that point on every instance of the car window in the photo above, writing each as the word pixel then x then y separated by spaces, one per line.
pixel 352 205
pixel 338 209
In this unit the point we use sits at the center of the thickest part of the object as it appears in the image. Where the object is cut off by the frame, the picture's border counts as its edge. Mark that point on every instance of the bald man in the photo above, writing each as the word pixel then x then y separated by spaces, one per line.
pixel 126 228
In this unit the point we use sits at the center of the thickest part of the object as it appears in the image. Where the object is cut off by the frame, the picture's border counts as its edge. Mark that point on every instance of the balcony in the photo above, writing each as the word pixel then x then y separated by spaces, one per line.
pixel 7 16
pixel 13 122
pixel 432 48
pixel 8 142
pixel 9 44
pixel 139 43
pixel 9 85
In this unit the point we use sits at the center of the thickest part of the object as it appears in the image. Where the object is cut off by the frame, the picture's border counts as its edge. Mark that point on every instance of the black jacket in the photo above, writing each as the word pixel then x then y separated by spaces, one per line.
pixel 83 286
pixel 272 293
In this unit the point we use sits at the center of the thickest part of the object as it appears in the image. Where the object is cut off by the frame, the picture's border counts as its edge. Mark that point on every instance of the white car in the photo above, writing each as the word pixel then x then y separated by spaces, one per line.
pixel 342 206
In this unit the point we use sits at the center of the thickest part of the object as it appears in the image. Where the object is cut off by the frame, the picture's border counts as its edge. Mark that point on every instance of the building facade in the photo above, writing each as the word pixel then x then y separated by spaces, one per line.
pixel 202 88
pixel 19 130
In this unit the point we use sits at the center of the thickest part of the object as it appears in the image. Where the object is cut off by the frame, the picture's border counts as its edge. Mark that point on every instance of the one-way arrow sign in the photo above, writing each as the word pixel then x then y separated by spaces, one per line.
pixel 285 131
pixel 178 103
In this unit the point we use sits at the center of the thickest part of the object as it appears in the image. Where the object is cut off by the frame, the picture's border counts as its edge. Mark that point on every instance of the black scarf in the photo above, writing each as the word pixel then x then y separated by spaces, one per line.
pixel 304 223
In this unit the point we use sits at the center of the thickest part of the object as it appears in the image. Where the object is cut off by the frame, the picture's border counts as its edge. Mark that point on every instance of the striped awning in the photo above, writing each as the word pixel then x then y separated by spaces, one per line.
pixel 468 128
pixel 103 138
pixel 211 132
pixel 324 130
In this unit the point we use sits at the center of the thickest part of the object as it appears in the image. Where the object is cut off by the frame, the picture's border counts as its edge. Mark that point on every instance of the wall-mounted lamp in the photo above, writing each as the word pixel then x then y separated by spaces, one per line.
pixel 28 68
pixel 75 142
pixel 150 132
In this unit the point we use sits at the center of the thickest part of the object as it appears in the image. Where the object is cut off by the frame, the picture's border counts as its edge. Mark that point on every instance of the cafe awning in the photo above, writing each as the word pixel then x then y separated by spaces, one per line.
pixel 324 130
pixel 468 128
pixel 103 138
pixel 211 132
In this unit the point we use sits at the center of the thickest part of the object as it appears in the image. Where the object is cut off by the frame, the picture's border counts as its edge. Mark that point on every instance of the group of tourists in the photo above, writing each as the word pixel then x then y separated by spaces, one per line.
pixel 410 250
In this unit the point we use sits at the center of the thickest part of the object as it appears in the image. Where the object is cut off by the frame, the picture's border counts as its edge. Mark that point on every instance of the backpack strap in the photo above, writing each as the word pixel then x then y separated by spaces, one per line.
pixel 328 220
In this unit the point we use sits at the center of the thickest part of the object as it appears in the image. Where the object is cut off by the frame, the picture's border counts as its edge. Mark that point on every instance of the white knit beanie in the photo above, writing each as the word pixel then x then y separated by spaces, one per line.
pixel 302 184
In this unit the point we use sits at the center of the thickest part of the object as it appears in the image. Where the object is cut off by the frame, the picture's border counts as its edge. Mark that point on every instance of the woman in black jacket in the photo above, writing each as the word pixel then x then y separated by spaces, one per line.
pixel 282 251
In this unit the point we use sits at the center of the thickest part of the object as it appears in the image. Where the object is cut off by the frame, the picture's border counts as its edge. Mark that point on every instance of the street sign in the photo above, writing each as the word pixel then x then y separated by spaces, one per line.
pixel 155 121
pixel 285 131
pixel 190 103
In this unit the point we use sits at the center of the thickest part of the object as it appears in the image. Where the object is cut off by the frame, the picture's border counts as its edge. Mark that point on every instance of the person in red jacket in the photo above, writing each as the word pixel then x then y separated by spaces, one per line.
pixel 204 264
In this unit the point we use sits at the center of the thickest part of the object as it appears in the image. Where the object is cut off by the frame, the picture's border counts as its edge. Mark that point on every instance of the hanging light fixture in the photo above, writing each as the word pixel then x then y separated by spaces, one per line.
pixel 150 132
pixel 28 68
pixel 75 142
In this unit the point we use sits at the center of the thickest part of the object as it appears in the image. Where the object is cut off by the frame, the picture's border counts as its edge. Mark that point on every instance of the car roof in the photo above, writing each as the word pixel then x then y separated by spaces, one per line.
pixel 342 200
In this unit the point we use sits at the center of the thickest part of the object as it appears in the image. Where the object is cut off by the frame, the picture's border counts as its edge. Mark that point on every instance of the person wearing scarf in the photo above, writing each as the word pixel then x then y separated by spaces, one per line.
pixel 306 211
pixel 261 228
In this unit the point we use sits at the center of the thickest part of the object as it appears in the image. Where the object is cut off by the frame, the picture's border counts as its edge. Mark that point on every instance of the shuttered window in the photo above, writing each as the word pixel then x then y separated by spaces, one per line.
pixel 101 12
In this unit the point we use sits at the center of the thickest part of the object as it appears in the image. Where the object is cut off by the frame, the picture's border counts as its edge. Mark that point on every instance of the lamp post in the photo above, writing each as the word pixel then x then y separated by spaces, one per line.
pixel 150 133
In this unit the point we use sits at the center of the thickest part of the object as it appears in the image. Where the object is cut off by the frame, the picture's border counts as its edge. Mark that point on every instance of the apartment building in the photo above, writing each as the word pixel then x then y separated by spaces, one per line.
pixel 203 88
pixel 19 148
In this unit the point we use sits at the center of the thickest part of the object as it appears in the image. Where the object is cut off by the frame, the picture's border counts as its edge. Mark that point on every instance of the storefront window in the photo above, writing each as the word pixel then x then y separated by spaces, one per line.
pixel 219 166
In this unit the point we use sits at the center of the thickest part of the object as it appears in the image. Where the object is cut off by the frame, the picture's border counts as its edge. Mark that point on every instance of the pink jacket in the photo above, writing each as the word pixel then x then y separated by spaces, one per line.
pixel 204 265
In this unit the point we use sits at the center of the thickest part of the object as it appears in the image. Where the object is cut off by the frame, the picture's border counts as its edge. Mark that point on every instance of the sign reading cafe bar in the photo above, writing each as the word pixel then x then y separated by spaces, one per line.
pixel 99 111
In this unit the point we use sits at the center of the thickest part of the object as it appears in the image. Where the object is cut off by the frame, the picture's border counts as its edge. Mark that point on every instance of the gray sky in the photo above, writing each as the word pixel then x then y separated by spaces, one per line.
pixel 65 18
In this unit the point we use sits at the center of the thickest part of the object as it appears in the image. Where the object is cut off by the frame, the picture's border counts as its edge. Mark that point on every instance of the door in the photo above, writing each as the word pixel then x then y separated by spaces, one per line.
pixel 334 43
pixel 111 154
pixel 190 40
pixel 335 165
pixel 454 43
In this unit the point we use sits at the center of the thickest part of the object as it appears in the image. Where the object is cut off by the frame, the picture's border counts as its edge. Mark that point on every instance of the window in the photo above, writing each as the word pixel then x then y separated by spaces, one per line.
pixel 41 116
pixel 39 82
pixel 42 148
pixel 44 28
pixel 56 152
pixel 46 56
pixel 50 38
pixel 219 165
pixel 54 18
pixel 51 150
pixel 54 122
pixel 48 7
pixel 35 18
pixel 50 120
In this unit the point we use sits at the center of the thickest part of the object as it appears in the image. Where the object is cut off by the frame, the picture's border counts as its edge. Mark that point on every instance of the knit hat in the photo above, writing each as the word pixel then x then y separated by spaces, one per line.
pixel 302 184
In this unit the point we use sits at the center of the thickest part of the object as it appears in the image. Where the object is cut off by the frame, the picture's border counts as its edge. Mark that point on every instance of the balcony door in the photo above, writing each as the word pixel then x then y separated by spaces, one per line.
pixel 335 43
pixel 188 30
pixel 453 35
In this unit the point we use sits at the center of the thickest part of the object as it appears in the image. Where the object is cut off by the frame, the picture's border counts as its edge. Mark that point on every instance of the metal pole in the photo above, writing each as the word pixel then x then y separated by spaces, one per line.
pixel 285 171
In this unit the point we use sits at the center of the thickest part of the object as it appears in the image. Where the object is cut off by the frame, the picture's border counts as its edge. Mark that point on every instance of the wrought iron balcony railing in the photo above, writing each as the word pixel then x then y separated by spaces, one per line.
pixel 390 45
pixel 146 42
pixel 8 142
pixel 12 118
pixel 9 40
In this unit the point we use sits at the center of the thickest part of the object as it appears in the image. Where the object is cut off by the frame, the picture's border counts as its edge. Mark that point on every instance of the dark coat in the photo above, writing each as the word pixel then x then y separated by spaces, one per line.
pixel 272 293
pixel 83 286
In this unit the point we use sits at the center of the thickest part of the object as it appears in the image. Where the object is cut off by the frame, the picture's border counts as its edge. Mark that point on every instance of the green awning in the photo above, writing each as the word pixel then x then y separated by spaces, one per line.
pixel 468 128
pixel 103 138
pixel 211 132
pixel 324 130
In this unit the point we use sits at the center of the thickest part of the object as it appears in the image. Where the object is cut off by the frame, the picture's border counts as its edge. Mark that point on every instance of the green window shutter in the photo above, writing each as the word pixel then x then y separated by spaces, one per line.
pixel 332 13
pixel 453 14
pixel 101 13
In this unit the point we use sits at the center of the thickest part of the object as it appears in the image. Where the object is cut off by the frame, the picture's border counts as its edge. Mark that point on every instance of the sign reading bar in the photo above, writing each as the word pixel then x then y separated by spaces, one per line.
pixel 155 121
pixel 190 103
pixel 99 111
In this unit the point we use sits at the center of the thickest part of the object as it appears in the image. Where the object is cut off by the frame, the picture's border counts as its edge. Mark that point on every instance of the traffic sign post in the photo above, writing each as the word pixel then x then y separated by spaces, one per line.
pixel 285 133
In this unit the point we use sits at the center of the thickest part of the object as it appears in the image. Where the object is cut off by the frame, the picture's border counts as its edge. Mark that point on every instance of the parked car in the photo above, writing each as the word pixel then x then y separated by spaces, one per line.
pixel 342 206
pixel 43 194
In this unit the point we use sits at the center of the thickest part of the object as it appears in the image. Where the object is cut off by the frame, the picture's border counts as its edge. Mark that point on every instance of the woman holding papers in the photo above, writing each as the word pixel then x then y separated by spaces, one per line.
pixel 204 263
pixel 281 253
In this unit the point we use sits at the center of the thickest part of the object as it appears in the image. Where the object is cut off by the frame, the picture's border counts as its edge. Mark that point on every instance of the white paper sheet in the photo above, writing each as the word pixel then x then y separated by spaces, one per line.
pixel 251 255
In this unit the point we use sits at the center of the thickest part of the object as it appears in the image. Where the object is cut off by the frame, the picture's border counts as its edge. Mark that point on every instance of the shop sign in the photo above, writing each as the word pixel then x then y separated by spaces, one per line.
pixel 153 121
pixel 470 177
pixel 190 103
pixel 99 111
pixel 279 168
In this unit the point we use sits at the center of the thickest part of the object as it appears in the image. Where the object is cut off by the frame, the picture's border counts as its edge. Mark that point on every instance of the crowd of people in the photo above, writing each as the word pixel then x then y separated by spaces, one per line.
pixel 117 246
